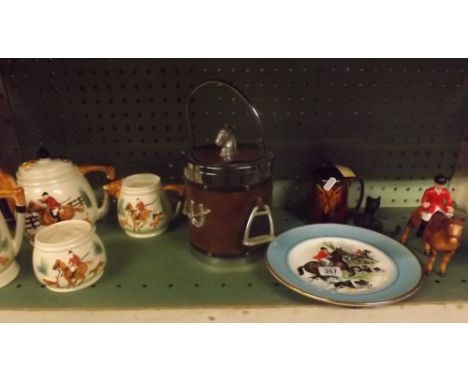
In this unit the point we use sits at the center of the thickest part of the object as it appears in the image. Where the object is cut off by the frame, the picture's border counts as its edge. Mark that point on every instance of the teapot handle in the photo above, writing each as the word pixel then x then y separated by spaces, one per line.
pixel 113 188
pixel 16 195
pixel 110 174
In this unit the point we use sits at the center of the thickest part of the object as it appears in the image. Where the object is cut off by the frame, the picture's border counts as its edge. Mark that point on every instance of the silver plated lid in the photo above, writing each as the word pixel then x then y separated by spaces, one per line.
pixel 226 163
pixel 249 166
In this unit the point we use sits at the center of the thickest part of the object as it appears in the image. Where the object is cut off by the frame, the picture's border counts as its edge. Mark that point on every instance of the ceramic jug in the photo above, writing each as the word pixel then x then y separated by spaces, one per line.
pixel 9 246
pixel 328 194
pixel 143 208
pixel 56 190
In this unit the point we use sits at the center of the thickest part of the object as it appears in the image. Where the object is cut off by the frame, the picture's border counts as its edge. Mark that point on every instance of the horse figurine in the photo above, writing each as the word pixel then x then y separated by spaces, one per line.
pixel 442 234
pixel 227 141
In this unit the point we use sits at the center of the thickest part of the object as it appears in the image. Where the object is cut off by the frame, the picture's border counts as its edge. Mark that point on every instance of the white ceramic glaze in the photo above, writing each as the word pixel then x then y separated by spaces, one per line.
pixel 380 271
pixel 68 256
pixel 10 246
pixel 56 190
pixel 143 208
pixel 344 265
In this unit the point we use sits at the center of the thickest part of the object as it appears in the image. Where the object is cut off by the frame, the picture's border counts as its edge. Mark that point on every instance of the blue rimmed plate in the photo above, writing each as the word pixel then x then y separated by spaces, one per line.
pixel 344 265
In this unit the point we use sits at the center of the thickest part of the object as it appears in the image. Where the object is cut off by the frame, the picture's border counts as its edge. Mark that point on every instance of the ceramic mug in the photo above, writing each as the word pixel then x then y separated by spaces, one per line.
pixel 9 247
pixel 68 256
pixel 143 208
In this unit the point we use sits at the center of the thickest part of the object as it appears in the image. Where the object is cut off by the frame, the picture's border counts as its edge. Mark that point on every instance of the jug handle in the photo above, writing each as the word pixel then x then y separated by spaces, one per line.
pixel 180 190
pixel 110 174
pixel 17 196
pixel 361 196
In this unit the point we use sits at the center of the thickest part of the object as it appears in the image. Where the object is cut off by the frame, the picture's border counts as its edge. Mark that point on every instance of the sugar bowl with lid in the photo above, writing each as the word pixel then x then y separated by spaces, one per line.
pixel 56 190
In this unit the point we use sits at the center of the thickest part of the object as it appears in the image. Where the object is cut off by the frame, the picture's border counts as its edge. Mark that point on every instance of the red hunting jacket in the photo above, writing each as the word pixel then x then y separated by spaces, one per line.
pixel 443 200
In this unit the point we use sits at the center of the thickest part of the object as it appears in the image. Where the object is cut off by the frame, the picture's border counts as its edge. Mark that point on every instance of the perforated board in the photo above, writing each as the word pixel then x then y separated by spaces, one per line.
pixel 395 122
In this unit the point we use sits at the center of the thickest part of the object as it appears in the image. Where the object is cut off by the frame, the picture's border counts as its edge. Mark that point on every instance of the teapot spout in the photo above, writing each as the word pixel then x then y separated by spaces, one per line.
pixel 7 182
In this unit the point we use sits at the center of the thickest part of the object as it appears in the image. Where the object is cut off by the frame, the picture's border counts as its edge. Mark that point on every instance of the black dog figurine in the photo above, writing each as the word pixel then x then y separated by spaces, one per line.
pixel 367 219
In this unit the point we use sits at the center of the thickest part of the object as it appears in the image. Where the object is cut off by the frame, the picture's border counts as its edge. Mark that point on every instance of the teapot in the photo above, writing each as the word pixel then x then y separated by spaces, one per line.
pixel 56 190
pixel 9 246
pixel 328 194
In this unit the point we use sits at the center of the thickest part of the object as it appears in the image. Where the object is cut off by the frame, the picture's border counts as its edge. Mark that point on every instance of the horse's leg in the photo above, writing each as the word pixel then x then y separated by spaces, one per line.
pixel 427 248
pixel 404 236
pixel 300 270
pixel 430 262
pixel 445 260
pixel 413 221
pixel 79 279
pixel 47 219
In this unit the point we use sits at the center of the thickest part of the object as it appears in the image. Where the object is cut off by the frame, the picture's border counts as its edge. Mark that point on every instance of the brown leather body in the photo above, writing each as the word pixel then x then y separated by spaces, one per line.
pixel 223 231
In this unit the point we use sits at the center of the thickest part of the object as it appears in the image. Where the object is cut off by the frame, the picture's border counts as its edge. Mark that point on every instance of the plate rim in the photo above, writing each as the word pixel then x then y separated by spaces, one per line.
pixel 331 301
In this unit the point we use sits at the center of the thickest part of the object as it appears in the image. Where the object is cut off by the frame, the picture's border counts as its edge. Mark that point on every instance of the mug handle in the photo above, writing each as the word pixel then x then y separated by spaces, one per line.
pixel 110 174
pixel 16 195
pixel 361 195
pixel 180 190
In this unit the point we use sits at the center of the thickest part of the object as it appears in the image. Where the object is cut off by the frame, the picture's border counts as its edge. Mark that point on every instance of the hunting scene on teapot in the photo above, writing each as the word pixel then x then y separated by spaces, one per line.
pixel 140 217
pixel 5 255
pixel 343 265
pixel 50 209
pixel 72 270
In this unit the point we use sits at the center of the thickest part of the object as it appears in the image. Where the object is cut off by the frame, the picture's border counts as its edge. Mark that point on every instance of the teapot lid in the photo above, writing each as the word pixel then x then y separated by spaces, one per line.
pixel 43 170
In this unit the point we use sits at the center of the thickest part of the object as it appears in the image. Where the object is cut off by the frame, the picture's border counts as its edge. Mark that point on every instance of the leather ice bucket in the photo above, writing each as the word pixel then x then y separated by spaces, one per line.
pixel 228 191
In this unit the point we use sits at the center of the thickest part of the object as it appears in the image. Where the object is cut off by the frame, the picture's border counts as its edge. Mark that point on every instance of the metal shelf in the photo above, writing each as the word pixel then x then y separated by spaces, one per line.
pixel 161 273
pixel 396 122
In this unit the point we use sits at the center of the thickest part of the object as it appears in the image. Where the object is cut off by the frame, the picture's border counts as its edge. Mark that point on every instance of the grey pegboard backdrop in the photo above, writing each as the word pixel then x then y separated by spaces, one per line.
pixel 395 122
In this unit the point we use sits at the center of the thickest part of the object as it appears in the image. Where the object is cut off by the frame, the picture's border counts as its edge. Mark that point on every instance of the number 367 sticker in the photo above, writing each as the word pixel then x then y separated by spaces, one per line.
pixel 330 271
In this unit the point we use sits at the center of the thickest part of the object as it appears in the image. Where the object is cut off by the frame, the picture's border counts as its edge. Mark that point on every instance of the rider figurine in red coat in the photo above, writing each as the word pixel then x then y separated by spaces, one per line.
pixel 435 198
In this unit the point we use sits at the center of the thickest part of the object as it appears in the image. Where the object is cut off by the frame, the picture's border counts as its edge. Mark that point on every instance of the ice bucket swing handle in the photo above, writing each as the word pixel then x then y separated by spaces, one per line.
pixel 260 208
pixel 242 96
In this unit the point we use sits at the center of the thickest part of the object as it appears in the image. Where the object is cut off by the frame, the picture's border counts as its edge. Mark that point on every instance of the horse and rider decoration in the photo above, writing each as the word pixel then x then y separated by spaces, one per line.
pixel 73 273
pixel 48 210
